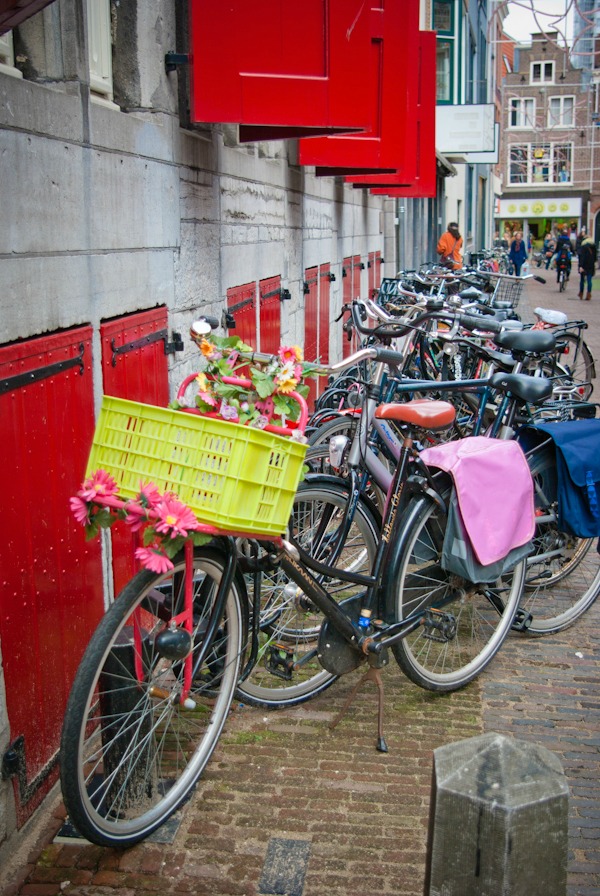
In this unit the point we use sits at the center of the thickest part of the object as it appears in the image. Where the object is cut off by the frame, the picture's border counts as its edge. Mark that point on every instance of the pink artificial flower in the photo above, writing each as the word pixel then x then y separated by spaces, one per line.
pixel 80 509
pixel 176 518
pixel 153 558
pixel 290 353
pixel 149 496
pixel 266 407
pixel 100 484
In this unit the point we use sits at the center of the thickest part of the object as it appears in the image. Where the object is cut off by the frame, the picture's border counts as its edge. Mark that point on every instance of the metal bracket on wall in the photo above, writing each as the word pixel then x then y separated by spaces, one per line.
pixel 172 60
pixel 42 373
pixel 14 764
pixel 170 347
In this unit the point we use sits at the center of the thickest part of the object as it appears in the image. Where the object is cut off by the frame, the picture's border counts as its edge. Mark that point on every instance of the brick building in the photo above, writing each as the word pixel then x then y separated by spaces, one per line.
pixel 548 155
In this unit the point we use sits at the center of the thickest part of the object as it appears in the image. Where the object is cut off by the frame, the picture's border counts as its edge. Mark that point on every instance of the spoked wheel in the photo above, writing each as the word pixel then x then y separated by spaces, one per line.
pixel 288 670
pixel 563 572
pixel 469 623
pixel 578 361
pixel 131 752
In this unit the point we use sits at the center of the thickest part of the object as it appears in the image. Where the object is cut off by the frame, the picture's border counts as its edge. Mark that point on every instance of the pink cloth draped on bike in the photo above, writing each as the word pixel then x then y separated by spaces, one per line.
pixel 494 490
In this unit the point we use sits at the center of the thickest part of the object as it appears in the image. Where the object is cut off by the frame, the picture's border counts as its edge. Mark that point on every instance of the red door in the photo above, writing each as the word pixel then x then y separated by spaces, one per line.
pixel 51 595
pixel 134 366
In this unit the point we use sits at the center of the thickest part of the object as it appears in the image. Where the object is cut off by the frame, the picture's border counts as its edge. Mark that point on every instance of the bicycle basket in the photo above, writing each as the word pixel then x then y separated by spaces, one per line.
pixel 507 290
pixel 237 478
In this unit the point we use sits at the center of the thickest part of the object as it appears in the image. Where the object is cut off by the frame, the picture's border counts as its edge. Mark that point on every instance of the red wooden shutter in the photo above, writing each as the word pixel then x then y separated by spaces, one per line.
pixel 280 70
pixel 52 593
pixel 241 303
pixel 270 314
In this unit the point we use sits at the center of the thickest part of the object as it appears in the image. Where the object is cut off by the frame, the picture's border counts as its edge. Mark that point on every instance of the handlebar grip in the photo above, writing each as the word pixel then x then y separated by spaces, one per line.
pixel 470 322
pixel 387 356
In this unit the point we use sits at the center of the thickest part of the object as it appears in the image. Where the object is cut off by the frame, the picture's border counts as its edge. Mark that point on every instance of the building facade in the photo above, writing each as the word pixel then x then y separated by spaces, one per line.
pixel 548 151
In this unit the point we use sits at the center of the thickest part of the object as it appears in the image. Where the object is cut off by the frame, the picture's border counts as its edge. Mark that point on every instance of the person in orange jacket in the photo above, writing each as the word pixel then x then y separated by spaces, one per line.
pixel 449 246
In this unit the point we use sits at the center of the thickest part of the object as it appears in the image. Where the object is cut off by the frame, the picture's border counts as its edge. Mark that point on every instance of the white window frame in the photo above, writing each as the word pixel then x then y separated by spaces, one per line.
pixel 542 79
pixel 99 48
pixel 523 120
pixel 7 56
pixel 560 123
pixel 550 161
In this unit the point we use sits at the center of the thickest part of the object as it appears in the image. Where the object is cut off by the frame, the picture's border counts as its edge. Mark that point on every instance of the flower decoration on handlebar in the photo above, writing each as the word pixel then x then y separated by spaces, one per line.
pixel 250 392
pixel 164 521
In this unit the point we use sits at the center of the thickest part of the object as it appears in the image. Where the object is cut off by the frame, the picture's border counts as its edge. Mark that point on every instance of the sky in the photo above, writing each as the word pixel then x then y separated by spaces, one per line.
pixel 520 21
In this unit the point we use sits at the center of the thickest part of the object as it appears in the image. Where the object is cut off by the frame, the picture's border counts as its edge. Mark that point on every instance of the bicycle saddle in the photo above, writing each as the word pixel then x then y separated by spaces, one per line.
pixel 528 388
pixel 423 412
pixel 539 341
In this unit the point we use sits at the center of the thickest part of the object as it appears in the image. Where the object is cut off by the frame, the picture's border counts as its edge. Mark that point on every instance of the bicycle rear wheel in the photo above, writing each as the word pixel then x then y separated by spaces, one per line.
pixel 563 572
pixel 130 751
pixel 288 671
pixel 478 617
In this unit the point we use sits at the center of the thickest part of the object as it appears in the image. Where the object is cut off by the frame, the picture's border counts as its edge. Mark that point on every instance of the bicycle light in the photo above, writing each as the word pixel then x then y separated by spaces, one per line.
pixel 337 446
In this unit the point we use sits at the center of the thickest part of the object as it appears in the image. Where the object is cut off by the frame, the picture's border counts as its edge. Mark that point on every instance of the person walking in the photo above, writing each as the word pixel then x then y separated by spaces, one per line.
pixel 587 266
pixel 449 246
pixel 518 253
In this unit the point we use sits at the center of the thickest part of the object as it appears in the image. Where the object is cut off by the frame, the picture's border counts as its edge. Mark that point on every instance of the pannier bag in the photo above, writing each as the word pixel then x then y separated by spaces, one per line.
pixel 577 444
pixel 489 527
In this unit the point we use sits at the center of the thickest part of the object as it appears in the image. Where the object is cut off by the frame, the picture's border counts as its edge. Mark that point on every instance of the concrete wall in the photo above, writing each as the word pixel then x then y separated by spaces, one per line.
pixel 110 208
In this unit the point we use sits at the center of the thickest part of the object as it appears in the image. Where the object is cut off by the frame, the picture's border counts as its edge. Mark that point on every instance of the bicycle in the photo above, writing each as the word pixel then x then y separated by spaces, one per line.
pixel 156 682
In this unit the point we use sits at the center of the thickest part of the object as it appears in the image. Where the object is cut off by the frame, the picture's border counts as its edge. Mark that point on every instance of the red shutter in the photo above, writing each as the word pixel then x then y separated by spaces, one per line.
pixel 270 314
pixel 419 177
pixel 241 304
pixel 280 70
pixel 387 145
pixel 52 594
pixel 134 366
pixel 13 12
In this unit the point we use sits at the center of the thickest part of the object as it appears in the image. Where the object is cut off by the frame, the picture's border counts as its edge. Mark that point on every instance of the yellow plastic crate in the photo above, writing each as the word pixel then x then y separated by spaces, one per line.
pixel 234 477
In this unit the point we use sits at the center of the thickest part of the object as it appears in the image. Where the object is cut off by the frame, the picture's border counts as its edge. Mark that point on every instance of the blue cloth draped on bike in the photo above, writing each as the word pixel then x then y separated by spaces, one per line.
pixel 577 444
pixel 494 489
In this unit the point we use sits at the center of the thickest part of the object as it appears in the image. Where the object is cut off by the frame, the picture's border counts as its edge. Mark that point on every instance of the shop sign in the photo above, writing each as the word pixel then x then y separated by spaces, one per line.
pixel 540 207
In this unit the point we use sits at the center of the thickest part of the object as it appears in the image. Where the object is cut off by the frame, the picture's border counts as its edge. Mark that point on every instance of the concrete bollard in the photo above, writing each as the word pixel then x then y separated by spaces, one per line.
pixel 498 820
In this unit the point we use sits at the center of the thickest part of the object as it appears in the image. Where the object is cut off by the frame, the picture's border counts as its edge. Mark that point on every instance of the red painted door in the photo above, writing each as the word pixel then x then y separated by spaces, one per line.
pixel 51 595
pixel 134 366
pixel 270 314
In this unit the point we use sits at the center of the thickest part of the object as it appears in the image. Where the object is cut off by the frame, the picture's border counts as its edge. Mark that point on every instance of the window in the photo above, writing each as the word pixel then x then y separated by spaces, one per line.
pixel 542 73
pixel 100 48
pixel 540 163
pixel 521 112
pixel 561 111
pixel 443 23
pixel 7 58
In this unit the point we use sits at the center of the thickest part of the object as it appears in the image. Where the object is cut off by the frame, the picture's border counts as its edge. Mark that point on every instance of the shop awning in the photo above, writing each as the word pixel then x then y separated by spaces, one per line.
pixel 13 12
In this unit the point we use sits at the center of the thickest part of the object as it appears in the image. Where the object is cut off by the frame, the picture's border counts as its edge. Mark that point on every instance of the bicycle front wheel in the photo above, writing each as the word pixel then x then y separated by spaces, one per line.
pixel 477 617
pixel 131 752
pixel 288 671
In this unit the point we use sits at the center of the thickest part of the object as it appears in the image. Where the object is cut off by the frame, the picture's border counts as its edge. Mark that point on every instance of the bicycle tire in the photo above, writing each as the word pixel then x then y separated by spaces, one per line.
pixel 130 755
pixel 483 614
pixel 290 625
pixel 563 572
pixel 578 360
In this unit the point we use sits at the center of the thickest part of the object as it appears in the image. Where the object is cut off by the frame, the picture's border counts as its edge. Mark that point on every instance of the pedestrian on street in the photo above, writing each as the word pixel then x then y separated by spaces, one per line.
pixel 518 253
pixel 449 246
pixel 587 266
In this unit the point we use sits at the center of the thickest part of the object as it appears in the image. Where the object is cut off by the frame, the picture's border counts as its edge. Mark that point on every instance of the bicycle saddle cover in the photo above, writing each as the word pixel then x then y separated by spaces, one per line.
pixel 496 518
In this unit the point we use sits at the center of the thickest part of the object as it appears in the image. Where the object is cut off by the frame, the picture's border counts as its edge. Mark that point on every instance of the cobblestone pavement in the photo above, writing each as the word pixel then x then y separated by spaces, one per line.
pixel 346 818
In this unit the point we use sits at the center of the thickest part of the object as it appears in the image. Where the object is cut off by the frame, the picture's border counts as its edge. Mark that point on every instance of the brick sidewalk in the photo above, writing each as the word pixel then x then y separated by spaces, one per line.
pixel 349 819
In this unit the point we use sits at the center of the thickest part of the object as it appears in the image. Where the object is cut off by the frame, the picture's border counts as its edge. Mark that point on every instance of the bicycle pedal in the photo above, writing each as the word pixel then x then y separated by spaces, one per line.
pixel 279 661
pixel 522 621
pixel 439 626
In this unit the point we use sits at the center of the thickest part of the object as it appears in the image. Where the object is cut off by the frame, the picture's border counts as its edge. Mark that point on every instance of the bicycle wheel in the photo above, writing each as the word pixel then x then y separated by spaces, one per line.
pixel 479 617
pixel 563 573
pixel 130 751
pixel 287 671
pixel 562 282
pixel 577 360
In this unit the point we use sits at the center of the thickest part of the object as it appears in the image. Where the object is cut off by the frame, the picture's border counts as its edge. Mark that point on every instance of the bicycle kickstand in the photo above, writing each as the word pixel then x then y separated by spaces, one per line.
pixel 373 674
